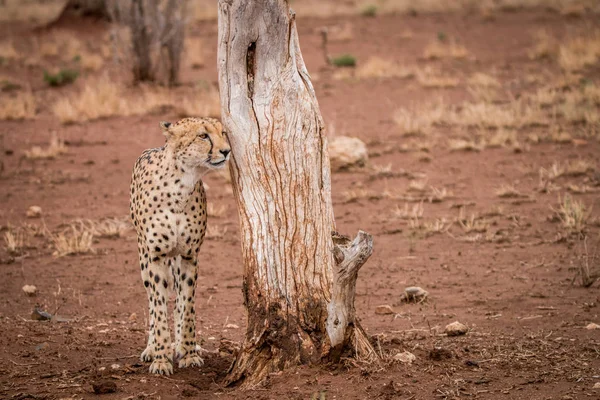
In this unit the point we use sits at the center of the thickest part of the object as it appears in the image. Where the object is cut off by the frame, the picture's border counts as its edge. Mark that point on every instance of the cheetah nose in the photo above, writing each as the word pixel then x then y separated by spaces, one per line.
pixel 225 152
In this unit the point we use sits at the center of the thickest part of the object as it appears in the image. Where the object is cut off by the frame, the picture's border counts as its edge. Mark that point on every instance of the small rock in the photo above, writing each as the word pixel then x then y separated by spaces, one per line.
pixel 384 310
pixel 439 353
pixel 42 346
pixel 596 385
pixel 414 293
pixel 30 290
pixel 456 329
pixel 133 317
pixel 405 357
pixel 40 315
pixel 115 366
pixel 592 325
pixel 346 152
pixel 34 212
pixel 102 387
pixel 231 326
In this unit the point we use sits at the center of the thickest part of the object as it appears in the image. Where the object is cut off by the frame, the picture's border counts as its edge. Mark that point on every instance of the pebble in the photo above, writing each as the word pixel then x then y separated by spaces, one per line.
pixel 592 325
pixel 30 290
pixel 456 329
pixel 415 293
pixel 104 387
pixel 34 212
pixel 384 310
pixel 596 385
pixel 405 357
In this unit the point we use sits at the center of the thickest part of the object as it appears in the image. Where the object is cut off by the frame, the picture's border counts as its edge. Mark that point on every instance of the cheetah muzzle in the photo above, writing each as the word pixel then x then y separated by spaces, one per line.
pixel 168 210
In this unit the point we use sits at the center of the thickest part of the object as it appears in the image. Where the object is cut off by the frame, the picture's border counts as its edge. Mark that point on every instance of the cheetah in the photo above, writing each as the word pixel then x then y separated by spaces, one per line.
pixel 168 210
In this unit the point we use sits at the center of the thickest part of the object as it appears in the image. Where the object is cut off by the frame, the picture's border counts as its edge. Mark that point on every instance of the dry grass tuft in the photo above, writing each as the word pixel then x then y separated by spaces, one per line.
pixel 105 98
pixel 215 232
pixel 465 145
pixel 580 52
pixel 75 240
pixel 508 192
pixel 411 124
pixel 472 224
pixel 428 78
pixel 545 46
pixel 438 49
pixel 15 240
pixel 216 211
pixel 17 106
pixel 414 211
pixel 376 67
pixel 55 148
pixel 572 213
pixel 589 266
pixel 8 52
pixel 480 79
pixel 108 227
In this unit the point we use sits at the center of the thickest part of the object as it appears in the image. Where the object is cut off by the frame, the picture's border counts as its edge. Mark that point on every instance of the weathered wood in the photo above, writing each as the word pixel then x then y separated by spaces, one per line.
pixel 281 179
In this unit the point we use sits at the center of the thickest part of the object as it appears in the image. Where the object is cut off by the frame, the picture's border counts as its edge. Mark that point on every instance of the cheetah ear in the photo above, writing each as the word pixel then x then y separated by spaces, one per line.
pixel 164 125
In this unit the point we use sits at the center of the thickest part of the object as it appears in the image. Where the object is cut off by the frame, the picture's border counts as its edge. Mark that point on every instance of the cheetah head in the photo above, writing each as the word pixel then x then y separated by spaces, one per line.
pixel 197 142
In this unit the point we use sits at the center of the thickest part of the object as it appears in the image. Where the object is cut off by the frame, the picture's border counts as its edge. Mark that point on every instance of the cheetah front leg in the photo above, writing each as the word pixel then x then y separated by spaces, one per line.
pixel 162 352
pixel 148 353
pixel 185 339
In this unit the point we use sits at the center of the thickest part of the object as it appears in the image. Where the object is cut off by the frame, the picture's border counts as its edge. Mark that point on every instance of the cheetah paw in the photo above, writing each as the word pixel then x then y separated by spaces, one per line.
pixel 148 354
pixel 161 367
pixel 192 359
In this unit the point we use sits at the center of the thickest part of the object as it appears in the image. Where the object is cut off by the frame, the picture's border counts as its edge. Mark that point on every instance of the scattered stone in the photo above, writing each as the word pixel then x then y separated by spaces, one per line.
pixel 384 310
pixel 596 385
pixel 40 315
pixel 115 366
pixel 133 317
pixel 405 357
pixel 439 353
pixel 102 387
pixel 30 290
pixel 414 294
pixel 231 326
pixel 346 152
pixel 34 212
pixel 456 329
pixel 592 325
pixel 42 346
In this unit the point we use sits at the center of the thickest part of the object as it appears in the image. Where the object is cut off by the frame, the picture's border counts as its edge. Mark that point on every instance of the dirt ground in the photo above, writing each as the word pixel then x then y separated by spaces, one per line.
pixel 507 264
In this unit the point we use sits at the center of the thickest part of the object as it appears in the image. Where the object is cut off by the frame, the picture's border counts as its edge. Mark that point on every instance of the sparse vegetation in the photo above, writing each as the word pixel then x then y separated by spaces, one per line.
pixel 77 239
pixel 376 67
pixel 17 105
pixel 61 78
pixel 429 78
pixel 444 49
pixel 572 213
pixel 105 98
pixel 55 148
pixel 107 228
pixel 344 60
pixel 369 10
pixel 15 240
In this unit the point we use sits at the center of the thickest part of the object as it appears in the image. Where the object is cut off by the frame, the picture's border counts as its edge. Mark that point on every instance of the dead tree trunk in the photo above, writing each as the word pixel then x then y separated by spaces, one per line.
pixel 299 275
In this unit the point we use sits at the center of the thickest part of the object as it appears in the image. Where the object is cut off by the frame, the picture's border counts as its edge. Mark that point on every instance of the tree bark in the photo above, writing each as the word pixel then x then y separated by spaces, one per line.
pixel 299 298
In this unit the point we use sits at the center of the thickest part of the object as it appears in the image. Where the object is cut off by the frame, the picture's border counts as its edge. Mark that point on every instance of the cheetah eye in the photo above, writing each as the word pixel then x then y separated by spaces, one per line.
pixel 204 136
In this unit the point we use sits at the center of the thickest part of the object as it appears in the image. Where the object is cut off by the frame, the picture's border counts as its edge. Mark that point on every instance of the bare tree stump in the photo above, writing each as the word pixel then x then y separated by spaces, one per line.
pixel 300 301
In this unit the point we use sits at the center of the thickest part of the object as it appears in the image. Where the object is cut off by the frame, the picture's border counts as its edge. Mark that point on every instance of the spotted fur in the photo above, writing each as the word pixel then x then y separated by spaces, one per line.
pixel 168 210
